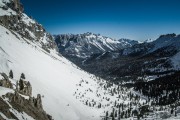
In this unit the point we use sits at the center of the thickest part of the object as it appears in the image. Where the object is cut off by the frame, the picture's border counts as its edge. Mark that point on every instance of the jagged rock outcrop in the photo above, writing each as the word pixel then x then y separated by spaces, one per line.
pixel 5 82
pixel 24 87
pixel 24 25
pixel 21 100
pixel 4 108
pixel 36 102
pixel 32 106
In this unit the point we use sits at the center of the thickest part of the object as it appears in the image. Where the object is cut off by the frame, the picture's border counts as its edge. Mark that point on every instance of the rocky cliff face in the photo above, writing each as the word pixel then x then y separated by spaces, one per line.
pixel 13 18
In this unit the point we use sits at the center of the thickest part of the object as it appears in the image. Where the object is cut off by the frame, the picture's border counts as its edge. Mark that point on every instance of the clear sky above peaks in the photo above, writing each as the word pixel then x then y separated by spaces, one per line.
pixel 134 19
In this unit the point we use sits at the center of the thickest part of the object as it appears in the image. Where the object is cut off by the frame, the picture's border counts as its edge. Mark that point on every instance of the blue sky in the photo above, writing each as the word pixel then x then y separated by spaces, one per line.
pixel 134 19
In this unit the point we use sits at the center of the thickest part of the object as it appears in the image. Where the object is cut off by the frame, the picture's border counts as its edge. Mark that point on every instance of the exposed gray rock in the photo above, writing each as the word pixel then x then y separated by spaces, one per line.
pixel 24 87
pixel 24 26
pixel 4 108
pixel 5 82
pixel 32 106
pixel 36 102
pixel 5 76
pixel 39 102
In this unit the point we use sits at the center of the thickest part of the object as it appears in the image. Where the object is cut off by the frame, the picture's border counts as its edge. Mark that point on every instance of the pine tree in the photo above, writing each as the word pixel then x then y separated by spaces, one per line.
pixel 21 86
pixel 107 115
pixel 11 74
pixel 172 111
pixel 115 115
pixel 119 113
pixel 23 76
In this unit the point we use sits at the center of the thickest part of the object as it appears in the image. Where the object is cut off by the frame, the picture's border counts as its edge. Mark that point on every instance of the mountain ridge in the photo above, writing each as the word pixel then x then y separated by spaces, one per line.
pixel 86 44
pixel 164 47
pixel 136 89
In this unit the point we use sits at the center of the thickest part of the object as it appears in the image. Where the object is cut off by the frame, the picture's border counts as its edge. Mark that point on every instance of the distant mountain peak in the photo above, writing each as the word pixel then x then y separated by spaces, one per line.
pixel 149 40
pixel 86 44
pixel 167 35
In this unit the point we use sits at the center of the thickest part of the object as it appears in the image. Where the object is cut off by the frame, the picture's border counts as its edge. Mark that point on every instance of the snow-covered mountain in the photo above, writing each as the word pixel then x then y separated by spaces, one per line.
pixel 52 76
pixel 63 90
pixel 84 45
pixel 13 18
pixel 68 92
pixel 167 40
pixel 26 48
pixel 154 57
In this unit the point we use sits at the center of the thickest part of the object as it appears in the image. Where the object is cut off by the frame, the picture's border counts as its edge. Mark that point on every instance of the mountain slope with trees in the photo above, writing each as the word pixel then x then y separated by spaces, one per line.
pixel 29 56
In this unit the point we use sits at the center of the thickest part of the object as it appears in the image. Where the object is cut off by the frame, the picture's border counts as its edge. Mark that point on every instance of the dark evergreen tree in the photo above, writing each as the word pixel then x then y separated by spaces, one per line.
pixel 21 85
pixel 11 74
pixel 106 115
pixel 23 76
pixel 115 115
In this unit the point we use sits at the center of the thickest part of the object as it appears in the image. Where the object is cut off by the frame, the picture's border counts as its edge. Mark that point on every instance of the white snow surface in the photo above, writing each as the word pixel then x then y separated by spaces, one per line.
pixel 50 75
pixel 3 91
pixel 27 20
pixel 7 12
pixel 1 77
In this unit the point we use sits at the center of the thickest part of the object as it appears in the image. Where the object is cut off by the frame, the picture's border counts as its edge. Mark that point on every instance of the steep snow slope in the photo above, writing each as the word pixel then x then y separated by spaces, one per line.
pixel 50 75
pixel 65 87
pixel 54 77
pixel 69 93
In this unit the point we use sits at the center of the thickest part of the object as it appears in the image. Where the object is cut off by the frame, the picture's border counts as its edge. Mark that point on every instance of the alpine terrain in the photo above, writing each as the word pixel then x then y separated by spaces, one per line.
pixel 107 79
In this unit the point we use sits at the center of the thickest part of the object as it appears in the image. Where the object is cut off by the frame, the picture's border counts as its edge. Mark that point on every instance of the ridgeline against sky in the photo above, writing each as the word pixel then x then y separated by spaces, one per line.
pixel 134 19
